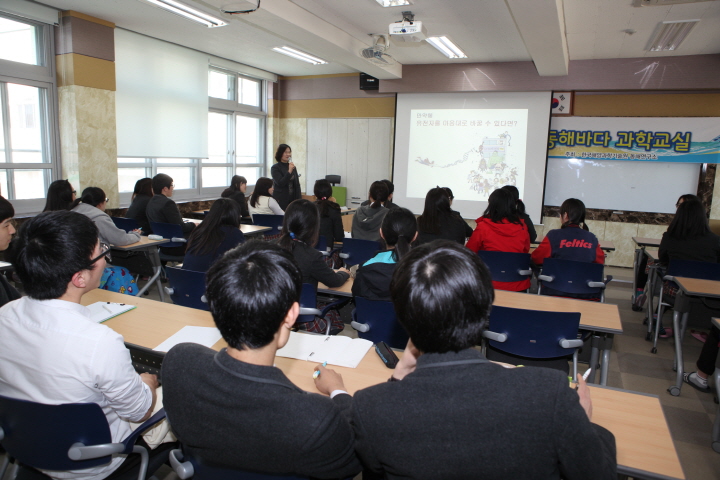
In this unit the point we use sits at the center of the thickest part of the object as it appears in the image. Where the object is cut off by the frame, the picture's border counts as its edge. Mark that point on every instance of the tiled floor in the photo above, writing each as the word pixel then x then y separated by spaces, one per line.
pixel 690 416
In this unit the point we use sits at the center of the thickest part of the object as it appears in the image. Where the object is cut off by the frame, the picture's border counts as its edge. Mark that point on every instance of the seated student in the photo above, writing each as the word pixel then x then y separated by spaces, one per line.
pixel 236 191
pixel 468 229
pixel 138 204
pixel 262 201
pixel 372 280
pixel 301 227
pixel 60 196
pixel 521 211
pixel 438 221
pixel 162 209
pixel 367 219
pixel 218 233
pixel 52 352
pixel 7 230
pixel 389 203
pixel 92 204
pixel 447 412
pixel 233 408
pixel 331 226
pixel 501 230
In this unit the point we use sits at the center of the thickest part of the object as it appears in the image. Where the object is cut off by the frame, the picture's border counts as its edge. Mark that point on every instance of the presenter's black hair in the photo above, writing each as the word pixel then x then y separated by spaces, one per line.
pixel 208 236
pixel 92 196
pixel 575 210
pixel 235 184
pixel 501 206
pixel 301 223
pixel 250 290
pixel 280 150
pixel 442 294
pixel 690 221
pixel 323 192
pixel 516 195
pixel 437 205
pixel 399 228
pixel 59 196
pixel 42 241
pixel 160 181
pixel 6 209
pixel 378 194
pixel 262 189
pixel 143 187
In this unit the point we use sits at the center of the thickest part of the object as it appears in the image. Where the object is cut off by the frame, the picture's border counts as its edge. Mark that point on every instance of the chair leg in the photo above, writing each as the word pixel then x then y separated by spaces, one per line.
pixel 4 465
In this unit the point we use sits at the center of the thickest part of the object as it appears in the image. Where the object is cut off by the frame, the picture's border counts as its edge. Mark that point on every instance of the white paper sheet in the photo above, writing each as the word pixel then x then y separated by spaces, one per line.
pixel 207 336
pixel 335 350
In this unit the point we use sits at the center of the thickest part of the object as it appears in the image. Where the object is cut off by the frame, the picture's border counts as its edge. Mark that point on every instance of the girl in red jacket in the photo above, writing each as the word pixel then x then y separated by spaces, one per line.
pixel 501 230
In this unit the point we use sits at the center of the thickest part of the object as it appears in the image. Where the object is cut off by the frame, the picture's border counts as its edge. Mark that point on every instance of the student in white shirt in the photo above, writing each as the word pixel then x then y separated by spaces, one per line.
pixel 51 351
pixel 261 201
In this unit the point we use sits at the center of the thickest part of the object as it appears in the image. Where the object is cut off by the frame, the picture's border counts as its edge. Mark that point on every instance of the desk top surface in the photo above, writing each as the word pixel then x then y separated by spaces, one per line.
pixel 607 245
pixel 646 242
pixel 144 242
pixel 698 287
pixel 637 421
pixel 600 317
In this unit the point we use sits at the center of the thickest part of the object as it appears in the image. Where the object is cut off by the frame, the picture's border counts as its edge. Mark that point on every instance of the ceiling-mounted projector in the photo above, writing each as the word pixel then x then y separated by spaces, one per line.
pixel 408 31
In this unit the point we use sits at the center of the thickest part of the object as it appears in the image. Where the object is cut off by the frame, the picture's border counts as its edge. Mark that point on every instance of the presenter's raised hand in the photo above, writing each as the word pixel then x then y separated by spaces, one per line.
pixel 291 167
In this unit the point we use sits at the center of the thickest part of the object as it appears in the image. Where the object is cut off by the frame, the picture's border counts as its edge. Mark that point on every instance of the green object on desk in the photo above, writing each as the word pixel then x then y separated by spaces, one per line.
pixel 340 194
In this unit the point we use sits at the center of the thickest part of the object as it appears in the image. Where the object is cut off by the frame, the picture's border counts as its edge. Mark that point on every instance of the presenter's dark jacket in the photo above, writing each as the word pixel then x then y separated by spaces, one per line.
pixel 137 211
pixel 286 184
pixel 161 209
pixel 460 417
pixel 569 243
pixel 237 415
pixel 452 227
pixel 700 249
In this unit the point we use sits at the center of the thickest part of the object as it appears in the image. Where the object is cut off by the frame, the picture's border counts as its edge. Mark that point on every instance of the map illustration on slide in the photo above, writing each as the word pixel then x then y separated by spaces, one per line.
pixel 472 151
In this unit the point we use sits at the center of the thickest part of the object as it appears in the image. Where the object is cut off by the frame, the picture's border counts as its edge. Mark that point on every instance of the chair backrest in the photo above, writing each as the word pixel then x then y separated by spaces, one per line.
pixel 201 471
pixel 356 251
pixel 694 269
pixel 507 266
pixel 169 231
pixel 532 333
pixel 380 317
pixel 127 224
pixel 570 276
pixel 273 221
pixel 40 435
pixel 322 243
pixel 187 287
pixel 308 299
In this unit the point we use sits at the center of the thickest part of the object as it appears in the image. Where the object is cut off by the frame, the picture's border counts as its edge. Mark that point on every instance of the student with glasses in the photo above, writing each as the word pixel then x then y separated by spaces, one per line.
pixel 92 204
pixel 51 351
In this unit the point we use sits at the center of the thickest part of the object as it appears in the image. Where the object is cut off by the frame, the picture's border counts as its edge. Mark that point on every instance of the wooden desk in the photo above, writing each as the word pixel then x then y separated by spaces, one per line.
pixel 247 230
pixel 646 242
pixel 688 287
pixel 607 245
pixel 597 317
pixel 150 246
pixel 644 445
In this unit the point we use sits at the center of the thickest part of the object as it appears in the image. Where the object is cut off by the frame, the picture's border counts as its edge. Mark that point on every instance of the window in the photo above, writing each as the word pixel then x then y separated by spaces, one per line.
pixel 28 121
pixel 236 134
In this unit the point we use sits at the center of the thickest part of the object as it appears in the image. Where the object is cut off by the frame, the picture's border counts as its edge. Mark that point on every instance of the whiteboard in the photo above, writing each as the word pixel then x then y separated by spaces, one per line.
pixel 620 185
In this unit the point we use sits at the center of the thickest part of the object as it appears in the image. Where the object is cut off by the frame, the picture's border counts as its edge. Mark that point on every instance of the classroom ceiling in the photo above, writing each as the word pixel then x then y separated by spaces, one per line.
pixel 548 32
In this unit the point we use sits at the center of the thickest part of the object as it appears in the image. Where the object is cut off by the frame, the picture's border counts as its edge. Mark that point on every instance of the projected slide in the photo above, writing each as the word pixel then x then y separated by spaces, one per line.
pixel 474 150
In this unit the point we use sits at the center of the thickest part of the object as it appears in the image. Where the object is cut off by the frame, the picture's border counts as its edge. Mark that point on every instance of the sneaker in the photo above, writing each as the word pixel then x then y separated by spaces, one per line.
pixel 666 332
pixel 700 336
pixel 694 380
pixel 640 300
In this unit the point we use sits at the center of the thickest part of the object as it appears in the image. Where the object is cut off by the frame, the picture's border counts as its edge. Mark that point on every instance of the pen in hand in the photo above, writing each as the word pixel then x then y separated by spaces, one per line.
pixel 316 373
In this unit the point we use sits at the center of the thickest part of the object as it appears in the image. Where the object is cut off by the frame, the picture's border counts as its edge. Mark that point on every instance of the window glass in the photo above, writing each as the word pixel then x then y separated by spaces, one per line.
pixel 220 85
pixel 215 177
pixel 26 134
pixel 175 160
pixel 29 184
pixel 247 138
pixel 182 176
pixel 4 183
pixel 217 138
pixel 18 42
pixel 249 92
pixel 250 173
pixel 128 176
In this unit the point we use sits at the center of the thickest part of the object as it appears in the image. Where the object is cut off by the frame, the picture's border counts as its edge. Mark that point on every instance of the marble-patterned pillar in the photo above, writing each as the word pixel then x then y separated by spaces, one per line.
pixel 85 60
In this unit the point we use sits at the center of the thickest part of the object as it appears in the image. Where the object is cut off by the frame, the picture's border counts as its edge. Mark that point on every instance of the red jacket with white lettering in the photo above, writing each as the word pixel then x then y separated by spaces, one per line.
pixel 569 243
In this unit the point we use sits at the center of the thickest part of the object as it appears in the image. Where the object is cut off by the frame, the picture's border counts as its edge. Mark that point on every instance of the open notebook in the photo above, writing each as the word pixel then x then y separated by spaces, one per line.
pixel 335 350
pixel 102 311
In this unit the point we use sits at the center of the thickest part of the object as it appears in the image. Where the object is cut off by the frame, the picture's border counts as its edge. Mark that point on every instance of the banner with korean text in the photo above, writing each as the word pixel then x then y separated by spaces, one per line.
pixel 683 140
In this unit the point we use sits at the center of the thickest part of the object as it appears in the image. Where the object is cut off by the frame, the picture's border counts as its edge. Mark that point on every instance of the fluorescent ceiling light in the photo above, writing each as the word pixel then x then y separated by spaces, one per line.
pixel 305 57
pixel 394 3
pixel 670 35
pixel 446 47
pixel 189 12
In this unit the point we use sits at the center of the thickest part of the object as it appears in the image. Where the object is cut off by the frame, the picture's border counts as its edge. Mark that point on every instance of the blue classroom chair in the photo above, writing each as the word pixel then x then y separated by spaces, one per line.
pixel 376 321
pixel 187 288
pixel 127 224
pixel 275 222
pixel 507 266
pixel 575 279
pixel 356 251
pixel 308 306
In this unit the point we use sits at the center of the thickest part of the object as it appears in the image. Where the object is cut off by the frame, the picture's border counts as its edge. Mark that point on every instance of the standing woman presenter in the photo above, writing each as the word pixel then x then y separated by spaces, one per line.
pixel 285 177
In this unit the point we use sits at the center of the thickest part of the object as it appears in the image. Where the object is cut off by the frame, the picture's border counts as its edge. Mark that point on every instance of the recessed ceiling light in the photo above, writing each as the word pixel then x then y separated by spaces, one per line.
pixel 670 35
pixel 305 57
pixel 446 47
pixel 189 12
pixel 394 3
